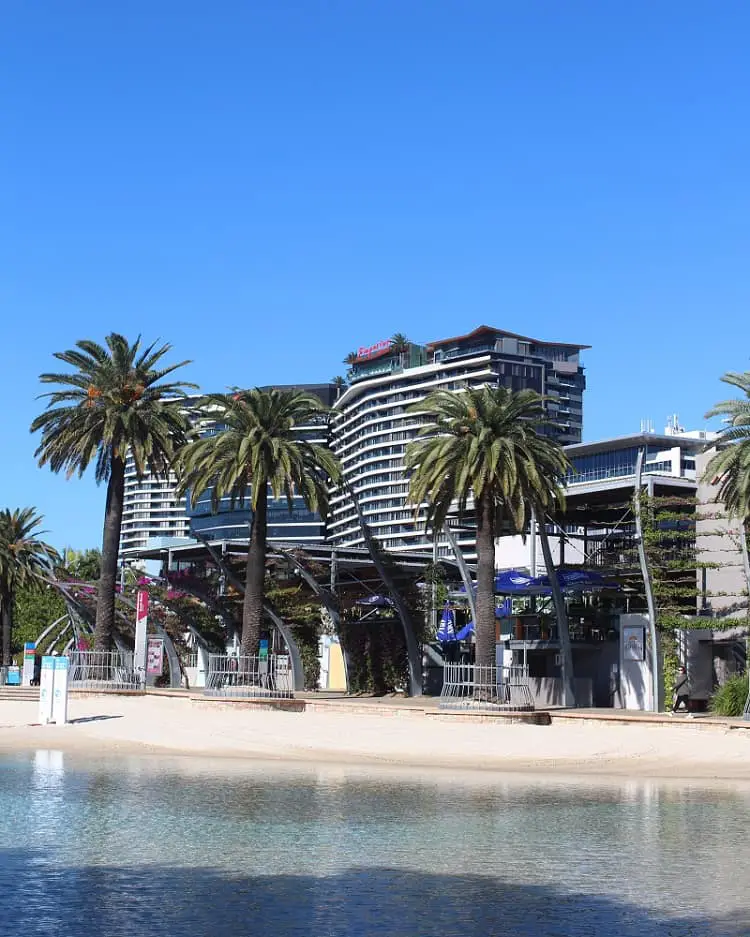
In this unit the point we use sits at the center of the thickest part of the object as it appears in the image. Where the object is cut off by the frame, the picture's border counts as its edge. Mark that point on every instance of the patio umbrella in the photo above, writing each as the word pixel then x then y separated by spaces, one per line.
pixel 376 601
pixel 447 628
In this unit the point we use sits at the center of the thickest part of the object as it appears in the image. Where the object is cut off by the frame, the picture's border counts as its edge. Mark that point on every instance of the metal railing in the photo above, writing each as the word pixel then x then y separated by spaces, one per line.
pixel 249 677
pixel 103 670
pixel 476 687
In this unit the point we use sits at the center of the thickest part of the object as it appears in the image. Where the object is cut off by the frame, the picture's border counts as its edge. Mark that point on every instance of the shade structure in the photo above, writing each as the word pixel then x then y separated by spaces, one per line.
pixel 515 582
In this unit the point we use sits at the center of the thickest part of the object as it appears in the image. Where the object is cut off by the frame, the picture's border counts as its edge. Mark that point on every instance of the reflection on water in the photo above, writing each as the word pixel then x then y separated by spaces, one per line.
pixel 163 846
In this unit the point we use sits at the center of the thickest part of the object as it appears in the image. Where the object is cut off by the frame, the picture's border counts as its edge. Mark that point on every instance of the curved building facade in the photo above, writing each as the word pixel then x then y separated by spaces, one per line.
pixel 372 425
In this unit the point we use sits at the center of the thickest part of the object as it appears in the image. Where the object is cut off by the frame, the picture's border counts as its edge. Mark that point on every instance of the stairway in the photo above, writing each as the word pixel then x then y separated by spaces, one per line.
pixel 20 693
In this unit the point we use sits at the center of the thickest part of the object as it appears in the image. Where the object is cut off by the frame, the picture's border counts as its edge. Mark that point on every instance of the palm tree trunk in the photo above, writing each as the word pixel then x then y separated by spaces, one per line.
pixel 255 574
pixel 6 623
pixel 485 599
pixel 566 655
pixel 105 605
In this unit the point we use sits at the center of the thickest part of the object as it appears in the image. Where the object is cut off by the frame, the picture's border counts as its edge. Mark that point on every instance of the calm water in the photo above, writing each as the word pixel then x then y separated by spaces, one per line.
pixel 150 846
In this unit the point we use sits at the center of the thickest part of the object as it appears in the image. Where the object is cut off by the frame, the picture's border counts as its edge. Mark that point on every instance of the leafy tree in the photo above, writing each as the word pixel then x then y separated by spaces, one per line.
pixel 83 564
pixel 257 451
pixel 34 608
pixel 25 561
pixel 112 406
pixel 484 443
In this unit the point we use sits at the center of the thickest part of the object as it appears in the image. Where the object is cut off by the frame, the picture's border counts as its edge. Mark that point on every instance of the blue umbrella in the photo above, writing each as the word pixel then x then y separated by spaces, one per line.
pixel 447 628
pixel 379 601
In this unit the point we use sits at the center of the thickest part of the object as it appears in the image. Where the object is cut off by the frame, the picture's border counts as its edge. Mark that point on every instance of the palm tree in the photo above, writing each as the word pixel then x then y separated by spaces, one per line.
pixel 351 358
pixel 339 383
pixel 400 344
pixel 731 464
pixel 484 443
pixel 258 450
pixel 110 407
pixel 25 560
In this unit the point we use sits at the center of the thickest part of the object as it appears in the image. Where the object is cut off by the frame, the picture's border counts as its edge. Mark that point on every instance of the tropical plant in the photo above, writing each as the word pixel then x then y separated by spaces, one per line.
pixel 484 443
pixel 339 383
pixel 351 358
pixel 83 564
pixel 258 450
pixel 399 343
pixel 25 561
pixel 112 407
pixel 729 699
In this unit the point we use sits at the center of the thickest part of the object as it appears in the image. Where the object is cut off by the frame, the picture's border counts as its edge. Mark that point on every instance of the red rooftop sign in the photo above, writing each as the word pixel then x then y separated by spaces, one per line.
pixel 368 352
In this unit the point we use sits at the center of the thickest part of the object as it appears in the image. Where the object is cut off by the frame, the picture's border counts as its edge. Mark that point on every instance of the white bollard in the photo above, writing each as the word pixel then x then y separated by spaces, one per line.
pixel 46 685
pixel 60 696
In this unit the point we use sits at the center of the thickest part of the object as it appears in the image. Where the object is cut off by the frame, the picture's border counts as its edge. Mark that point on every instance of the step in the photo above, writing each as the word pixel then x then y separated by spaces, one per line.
pixel 19 693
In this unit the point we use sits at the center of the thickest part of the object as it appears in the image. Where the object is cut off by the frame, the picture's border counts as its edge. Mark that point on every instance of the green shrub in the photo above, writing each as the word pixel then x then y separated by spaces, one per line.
pixel 729 699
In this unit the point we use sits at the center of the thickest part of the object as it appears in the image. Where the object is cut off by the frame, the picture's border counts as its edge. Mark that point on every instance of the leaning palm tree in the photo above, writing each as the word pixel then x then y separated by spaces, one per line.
pixel 25 560
pixel 484 443
pixel 258 450
pixel 113 406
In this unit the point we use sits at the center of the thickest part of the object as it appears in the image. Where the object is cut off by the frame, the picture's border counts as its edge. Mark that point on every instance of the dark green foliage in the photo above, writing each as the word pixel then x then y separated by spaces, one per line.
pixel 34 609
pixel 302 613
pixel 26 561
pixel 83 564
pixel 729 699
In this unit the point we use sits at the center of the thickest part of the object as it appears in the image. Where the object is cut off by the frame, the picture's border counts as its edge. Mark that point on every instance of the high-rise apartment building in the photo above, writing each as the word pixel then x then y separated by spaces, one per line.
pixel 372 425
pixel 152 511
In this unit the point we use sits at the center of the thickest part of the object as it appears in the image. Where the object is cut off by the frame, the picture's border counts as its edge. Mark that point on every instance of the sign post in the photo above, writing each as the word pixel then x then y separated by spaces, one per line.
pixel 60 691
pixel 141 626
pixel 46 684
pixel 29 653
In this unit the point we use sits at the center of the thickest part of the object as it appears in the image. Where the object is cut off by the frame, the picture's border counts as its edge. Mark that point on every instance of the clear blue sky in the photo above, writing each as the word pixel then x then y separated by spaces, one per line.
pixel 268 185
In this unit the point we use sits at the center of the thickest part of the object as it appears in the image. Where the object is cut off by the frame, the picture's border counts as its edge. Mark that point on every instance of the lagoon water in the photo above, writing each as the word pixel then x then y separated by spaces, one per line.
pixel 152 846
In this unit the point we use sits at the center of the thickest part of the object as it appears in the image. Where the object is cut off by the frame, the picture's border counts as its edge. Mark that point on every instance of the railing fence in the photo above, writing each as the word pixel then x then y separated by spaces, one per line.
pixel 250 677
pixel 99 670
pixel 478 687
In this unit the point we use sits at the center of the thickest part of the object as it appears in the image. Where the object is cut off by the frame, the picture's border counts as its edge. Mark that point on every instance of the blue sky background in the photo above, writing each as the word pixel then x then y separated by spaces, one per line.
pixel 268 185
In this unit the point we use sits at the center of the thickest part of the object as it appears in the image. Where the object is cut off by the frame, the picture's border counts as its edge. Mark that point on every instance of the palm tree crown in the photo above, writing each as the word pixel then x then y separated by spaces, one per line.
pixel 114 404
pixel 400 343
pixel 731 464
pixel 111 406
pixel 257 448
pixel 25 559
pixel 484 443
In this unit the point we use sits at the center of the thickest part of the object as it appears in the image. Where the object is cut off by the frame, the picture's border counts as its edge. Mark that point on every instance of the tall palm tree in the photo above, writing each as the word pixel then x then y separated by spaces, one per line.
pixel 257 450
pixel 484 443
pixel 339 383
pixel 111 406
pixel 25 560
pixel 351 358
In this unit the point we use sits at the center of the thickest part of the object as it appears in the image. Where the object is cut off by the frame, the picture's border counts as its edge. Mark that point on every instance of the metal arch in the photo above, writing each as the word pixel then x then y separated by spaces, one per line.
pixel 327 597
pixel 646 573
pixel 414 657
pixel 463 570
pixel 298 672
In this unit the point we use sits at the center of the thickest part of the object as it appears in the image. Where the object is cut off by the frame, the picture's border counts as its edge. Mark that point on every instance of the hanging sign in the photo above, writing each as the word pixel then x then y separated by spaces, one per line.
pixel 155 656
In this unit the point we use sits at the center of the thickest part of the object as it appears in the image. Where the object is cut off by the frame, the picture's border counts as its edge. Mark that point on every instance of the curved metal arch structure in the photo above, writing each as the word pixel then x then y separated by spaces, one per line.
pixel 298 672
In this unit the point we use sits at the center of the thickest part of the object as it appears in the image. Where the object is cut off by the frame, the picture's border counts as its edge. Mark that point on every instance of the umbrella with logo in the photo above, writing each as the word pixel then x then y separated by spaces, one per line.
pixel 447 628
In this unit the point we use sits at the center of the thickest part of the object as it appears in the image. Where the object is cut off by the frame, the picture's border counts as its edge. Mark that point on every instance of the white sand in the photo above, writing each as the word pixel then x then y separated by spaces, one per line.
pixel 112 724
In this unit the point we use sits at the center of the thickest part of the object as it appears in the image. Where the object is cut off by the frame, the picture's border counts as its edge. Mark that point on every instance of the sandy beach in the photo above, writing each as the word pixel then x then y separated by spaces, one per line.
pixel 392 737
